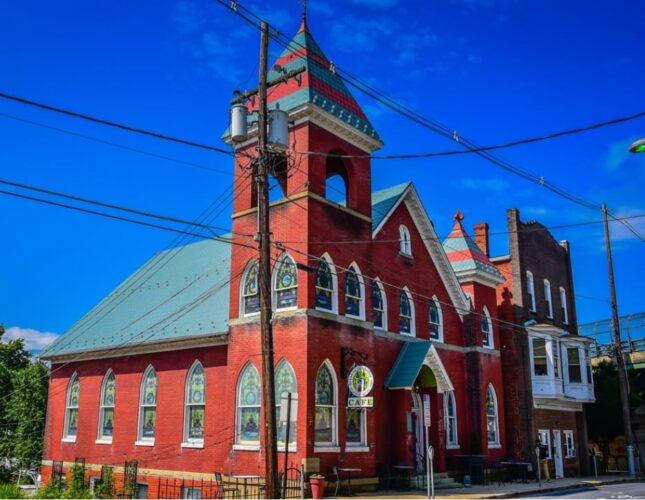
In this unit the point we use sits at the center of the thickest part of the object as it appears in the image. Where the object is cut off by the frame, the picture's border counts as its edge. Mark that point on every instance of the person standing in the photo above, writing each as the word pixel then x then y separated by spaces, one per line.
pixel 544 459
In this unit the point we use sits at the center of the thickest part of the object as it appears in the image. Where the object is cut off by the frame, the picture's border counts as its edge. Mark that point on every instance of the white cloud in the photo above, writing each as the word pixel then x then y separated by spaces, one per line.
pixel 618 154
pixel 34 340
pixel 620 232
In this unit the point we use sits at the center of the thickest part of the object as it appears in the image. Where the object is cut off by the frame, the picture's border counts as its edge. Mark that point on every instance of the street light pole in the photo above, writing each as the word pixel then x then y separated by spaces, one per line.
pixel 620 360
pixel 266 331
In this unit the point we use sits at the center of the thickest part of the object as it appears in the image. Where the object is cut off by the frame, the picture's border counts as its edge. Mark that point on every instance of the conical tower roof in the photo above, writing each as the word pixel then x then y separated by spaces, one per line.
pixel 318 85
pixel 466 258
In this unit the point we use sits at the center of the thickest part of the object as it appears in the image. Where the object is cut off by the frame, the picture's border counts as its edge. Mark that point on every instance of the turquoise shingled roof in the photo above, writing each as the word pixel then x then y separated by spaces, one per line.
pixel 384 200
pixel 178 294
pixel 408 364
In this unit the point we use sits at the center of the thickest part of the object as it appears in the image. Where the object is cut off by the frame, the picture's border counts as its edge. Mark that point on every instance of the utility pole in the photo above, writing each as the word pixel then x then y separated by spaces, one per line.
pixel 268 380
pixel 620 361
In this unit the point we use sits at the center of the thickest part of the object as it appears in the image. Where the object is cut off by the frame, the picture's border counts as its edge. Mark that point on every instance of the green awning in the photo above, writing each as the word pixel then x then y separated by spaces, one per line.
pixel 408 364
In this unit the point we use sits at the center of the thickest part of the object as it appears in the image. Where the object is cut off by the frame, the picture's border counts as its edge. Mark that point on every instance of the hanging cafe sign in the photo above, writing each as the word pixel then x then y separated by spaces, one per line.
pixel 360 383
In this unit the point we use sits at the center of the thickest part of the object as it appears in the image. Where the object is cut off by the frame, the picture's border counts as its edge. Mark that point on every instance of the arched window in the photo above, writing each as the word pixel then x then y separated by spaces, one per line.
pixel 452 439
pixel 487 330
pixel 285 283
pixel 106 410
pixel 405 245
pixel 250 291
pixel 379 303
pixel 326 285
pixel 325 402
pixel 436 320
pixel 148 405
pixel 406 313
pixel 285 381
pixel 71 407
pixel 195 404
pixel 336 190
pixel 248 407
pixel 354 293
pixel 492 423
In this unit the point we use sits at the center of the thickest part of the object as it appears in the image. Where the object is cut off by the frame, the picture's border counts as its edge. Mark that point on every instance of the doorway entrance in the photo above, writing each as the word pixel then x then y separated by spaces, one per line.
pixel 418 434
pixel 557 454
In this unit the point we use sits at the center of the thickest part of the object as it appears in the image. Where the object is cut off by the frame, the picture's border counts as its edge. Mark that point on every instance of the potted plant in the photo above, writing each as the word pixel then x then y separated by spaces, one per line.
pixel 317 482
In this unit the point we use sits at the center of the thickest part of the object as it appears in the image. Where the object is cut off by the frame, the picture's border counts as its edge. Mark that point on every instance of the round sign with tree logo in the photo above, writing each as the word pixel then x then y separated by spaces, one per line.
pixel 360 381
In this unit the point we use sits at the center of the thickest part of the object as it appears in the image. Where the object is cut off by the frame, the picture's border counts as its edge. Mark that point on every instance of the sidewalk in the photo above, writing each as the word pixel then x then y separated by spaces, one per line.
pixel 509 490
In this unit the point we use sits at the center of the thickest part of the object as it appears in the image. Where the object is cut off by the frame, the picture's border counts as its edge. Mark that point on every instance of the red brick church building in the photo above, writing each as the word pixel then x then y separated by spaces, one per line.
pixel 166 370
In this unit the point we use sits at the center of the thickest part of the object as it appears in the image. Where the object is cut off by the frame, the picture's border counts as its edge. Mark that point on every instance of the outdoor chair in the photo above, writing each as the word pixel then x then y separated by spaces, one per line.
pixel 335 477
pixel 224 487
pixel 384 474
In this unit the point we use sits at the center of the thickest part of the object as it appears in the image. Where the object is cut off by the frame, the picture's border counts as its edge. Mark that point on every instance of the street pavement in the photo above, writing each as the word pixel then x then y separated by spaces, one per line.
pixel 555 488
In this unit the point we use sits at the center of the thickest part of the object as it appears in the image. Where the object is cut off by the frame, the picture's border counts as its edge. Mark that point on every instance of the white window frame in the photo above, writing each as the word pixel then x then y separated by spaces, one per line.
pixel 241 444
pixel 361 287
pixel 437 304
pixel 546 341
pixel 334 406
pixel 69 407
pixel 497 442
pixel 294 416
pixel 377 283
pixel 545 435
pixel 449 397
pixel 141 440
pixel 363 428
pixel 530 290
pixel 563 306
pixel 334 280
pixel 101 438
pixel 413 330
pixel 491 336
pixel 548 300
pixel 274 282
pixel 188 441
pixel 248 268
pixel 581 363
pixel 405 244
pixel 570 451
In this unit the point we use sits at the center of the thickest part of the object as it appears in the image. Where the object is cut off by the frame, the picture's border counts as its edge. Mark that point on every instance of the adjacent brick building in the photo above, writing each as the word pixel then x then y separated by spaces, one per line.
pixel 166 370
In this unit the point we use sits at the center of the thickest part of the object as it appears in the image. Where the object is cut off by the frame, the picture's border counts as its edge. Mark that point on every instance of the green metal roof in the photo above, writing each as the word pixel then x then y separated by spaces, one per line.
pixel 384 200
pixel 178 294
pixel 408 364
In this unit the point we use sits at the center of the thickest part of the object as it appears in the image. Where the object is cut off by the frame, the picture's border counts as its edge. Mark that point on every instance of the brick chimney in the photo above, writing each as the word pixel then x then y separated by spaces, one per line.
pixel 481 237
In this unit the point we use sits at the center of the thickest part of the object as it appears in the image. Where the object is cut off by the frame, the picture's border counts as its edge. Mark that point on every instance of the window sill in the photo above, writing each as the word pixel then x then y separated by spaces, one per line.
pixel 407 334
pixel 406 255
pixel 351 316
pixel 292 448
pixel 328 311
pixel 69 439
pixel 193 445
pixel 103 441
pixel 144 443
pixel 246 447
pixel 326 449
pixel 453 447
pixel 357 449
pixel 494 446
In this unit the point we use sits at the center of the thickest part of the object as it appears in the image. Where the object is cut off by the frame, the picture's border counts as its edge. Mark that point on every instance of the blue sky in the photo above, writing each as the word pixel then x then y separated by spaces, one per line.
pixel 492 70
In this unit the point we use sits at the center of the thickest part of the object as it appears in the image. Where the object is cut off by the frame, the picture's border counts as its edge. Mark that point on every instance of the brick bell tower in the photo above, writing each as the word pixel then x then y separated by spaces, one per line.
pixel 325 122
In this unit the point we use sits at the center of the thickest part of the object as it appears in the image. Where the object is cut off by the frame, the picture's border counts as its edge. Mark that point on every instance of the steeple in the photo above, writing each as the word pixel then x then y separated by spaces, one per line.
pixel 466 258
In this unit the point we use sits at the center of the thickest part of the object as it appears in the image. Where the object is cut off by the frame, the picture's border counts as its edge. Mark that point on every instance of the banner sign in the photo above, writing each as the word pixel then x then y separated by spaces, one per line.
pixel 426 410
pixel 366 402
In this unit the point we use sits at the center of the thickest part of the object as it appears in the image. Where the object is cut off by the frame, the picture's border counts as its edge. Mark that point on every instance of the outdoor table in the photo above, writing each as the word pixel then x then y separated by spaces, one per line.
pixel 245 478
pixel 349 471
pixel 404 473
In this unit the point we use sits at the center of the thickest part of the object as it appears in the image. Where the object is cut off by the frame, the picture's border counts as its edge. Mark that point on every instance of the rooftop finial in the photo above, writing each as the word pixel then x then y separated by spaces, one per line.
pixel 304 13
pixel 458 216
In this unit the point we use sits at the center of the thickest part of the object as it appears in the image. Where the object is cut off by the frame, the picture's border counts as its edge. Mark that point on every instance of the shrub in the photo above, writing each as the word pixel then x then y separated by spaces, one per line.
pixel 8 490
pixel 52 489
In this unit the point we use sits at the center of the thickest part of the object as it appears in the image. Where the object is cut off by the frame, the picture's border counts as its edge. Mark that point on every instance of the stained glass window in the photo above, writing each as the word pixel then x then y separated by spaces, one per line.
pixel 325 401
pixel 353 294
pixel 487 340
pixel 451 418
pixel 405 314
pixel 195 404
pixel 492 426
pixel 378 303
pixel 285 381
pixel 324 286
pixel 250 292
pixel 286 283
pixel 106 412
pixel 148 405
pixel 248 407
pixel 435 320
pixel 71 410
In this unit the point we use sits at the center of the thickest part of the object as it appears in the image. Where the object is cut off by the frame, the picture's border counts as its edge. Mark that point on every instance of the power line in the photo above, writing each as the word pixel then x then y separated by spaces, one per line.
pixel 109 123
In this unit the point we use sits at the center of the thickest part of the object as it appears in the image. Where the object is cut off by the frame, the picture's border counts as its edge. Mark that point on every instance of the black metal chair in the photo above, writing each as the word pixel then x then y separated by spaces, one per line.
pixel 335 477
pixel 225 487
